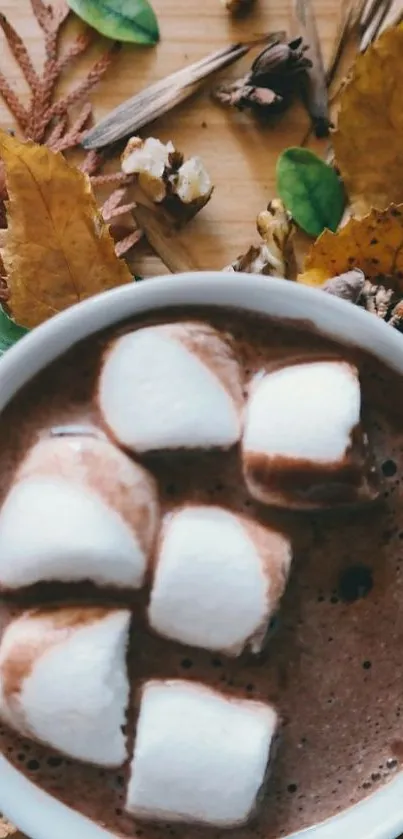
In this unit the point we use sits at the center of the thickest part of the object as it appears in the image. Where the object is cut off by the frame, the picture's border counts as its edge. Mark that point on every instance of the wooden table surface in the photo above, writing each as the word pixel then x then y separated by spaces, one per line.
pixel 239 155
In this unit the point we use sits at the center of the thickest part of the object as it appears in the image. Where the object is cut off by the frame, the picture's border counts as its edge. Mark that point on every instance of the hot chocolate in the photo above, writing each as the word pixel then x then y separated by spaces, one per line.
pixel 332 663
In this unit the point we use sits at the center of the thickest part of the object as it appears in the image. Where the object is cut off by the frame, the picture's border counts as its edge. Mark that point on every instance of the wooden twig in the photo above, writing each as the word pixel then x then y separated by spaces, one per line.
pixel 161 97
pixel 164 239
pixel 315 90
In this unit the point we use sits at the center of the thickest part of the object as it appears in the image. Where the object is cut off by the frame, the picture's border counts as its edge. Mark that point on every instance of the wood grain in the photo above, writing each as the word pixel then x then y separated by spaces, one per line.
pixel 239 155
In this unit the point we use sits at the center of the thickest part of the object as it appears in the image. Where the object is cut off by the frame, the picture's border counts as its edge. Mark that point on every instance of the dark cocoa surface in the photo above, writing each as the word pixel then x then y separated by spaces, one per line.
pixel 333 664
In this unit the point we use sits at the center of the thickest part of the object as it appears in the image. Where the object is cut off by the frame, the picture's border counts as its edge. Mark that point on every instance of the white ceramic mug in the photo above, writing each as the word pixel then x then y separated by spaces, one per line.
pixel 380 816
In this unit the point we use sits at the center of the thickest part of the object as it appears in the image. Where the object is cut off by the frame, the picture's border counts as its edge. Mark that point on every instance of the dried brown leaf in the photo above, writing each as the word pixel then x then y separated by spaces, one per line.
pixel 58 249
pixel 368 142
pixel 373 244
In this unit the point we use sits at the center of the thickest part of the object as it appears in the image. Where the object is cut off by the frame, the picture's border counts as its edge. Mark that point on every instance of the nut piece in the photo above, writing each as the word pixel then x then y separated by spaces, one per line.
pixel 182 187
pixel 275 255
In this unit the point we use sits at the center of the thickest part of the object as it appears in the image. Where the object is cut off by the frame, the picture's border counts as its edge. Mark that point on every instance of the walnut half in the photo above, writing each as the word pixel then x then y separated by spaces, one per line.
pixel 181 186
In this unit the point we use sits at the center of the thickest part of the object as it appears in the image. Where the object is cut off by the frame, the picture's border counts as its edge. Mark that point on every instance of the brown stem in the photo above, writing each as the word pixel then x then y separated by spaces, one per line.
pixel 92 162
pixel 93 77
pixel 112 178
pixel 79 46
pixel 56 133
pixel 128 242
pixel 315 92
pixel 43 14
pixel 19 52
pixel 13 103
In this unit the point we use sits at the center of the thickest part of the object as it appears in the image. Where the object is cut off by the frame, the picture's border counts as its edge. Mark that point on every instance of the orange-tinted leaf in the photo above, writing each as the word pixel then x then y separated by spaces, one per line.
pixel 58 249
pixel 368 143
pixel 374 244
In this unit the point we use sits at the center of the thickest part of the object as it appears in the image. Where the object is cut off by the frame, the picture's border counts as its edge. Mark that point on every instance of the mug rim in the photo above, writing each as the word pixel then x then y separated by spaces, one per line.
pixel 34 811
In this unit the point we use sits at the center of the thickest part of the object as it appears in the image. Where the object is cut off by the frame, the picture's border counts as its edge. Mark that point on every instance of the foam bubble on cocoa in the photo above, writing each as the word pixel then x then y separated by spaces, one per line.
pixel 218 579
pixel 171 386
pixel 63 681
pixel 78 509
pixel 199 756
pixel 303 444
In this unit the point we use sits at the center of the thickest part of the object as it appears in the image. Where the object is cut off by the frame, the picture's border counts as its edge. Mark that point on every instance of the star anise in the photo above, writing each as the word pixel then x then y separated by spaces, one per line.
pixel 272 81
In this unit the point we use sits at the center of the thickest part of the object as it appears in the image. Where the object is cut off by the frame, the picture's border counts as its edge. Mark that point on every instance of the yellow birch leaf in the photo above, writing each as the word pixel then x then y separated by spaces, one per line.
pixel 374 244
pixel 58 249
pixel 368 142
pixel 313 276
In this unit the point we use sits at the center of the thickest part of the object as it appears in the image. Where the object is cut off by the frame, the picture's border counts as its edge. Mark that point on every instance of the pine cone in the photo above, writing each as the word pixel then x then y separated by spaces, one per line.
pixel 271 81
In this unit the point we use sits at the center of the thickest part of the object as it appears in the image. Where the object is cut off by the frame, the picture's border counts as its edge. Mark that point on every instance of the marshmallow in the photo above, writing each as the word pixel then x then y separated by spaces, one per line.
pixel 218 579
pixel 171 386
pixel 79 509
pixel 199 756
pixel 63 681
pixel 303 445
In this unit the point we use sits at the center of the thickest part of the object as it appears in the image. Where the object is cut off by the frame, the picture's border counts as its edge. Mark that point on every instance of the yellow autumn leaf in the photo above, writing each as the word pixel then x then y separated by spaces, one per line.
pixel 368 142
pixel 374 244
pixel 58 249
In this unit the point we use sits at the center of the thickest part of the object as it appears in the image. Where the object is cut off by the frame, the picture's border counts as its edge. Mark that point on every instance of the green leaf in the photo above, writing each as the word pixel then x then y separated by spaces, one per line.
pixel 311 190
pixel 10 331
pixel 121 20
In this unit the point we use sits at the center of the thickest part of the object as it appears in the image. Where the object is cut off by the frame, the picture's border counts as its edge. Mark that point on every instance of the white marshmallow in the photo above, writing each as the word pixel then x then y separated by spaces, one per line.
pixel 198 756
pixel 300 416
pixel 218 579
pixel 78 509
pixel 63 681
pixel 171 386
